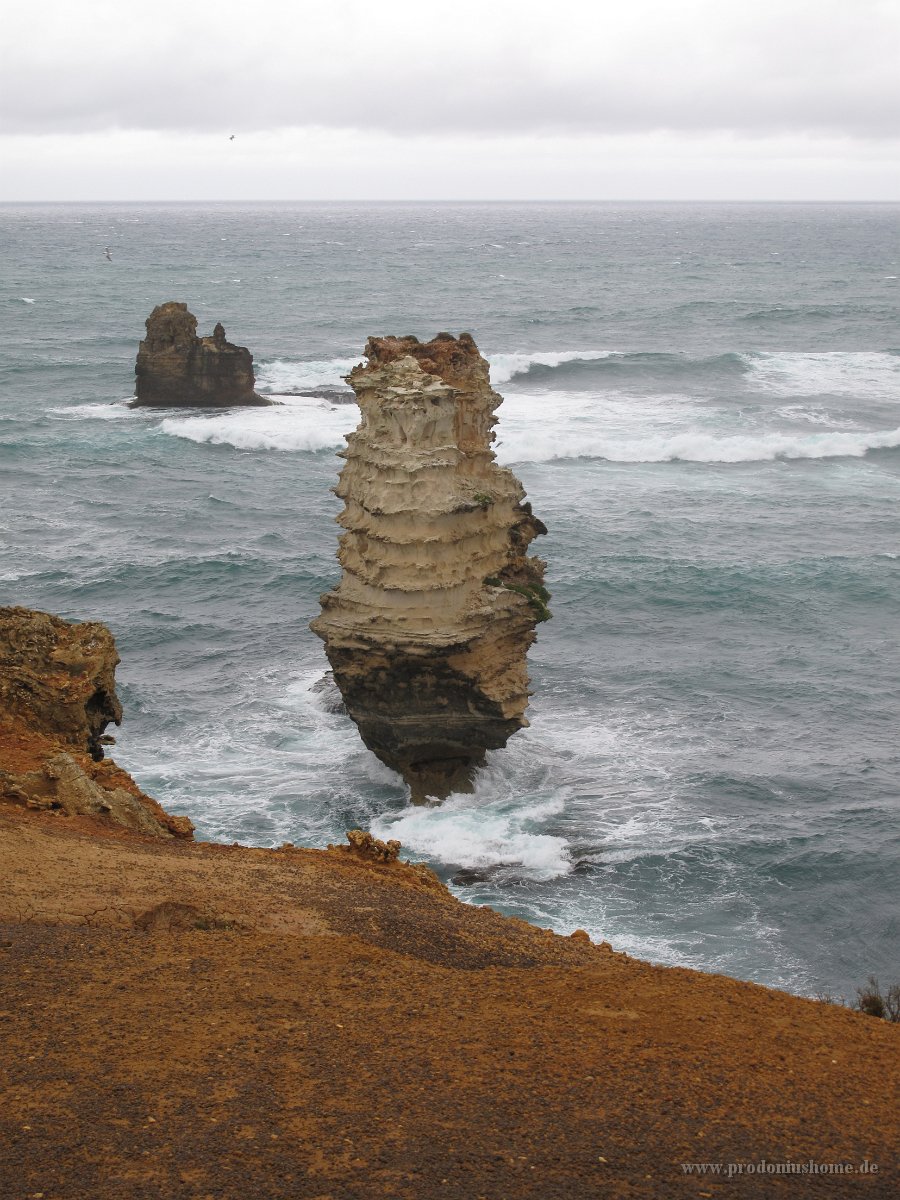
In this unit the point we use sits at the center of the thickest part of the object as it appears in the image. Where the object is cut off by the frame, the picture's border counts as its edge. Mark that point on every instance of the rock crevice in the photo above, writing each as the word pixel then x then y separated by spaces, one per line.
pixel 428 629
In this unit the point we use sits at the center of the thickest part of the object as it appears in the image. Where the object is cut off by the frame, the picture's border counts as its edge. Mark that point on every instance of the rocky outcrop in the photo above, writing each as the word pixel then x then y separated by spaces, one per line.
pixel 57 696
pixel 428 629
pixel 366 845
pixel 175 368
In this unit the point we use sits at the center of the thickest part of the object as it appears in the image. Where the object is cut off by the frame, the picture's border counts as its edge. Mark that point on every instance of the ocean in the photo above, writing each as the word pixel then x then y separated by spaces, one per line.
pixel 703 403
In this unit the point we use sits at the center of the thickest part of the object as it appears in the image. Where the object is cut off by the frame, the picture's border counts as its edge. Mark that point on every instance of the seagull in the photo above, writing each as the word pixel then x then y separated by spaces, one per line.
pixel 108 255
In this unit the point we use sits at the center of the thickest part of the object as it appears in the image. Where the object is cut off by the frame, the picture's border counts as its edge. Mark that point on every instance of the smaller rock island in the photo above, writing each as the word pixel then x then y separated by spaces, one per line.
pixel 177 369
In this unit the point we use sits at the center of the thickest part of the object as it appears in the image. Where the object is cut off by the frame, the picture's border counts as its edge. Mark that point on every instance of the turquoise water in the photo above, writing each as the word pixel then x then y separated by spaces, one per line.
pixel 703 403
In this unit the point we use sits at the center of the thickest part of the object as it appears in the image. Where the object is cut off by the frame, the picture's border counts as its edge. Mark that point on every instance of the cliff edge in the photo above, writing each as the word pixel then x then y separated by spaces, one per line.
pixel 175 368
pixel 428 629
pixel 57 697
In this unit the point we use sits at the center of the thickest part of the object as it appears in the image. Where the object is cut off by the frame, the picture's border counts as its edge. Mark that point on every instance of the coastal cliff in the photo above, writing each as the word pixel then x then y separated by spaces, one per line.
pixel 191 1020
pixel 428 628
pixel 176 368
pixel 57 697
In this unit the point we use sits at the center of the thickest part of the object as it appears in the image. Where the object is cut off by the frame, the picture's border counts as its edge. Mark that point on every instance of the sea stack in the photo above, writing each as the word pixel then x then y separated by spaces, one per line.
pixel 428 629
pixel 177 369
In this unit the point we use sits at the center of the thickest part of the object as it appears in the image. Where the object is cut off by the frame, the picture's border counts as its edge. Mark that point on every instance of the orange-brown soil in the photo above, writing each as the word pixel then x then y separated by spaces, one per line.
pixel 197 1021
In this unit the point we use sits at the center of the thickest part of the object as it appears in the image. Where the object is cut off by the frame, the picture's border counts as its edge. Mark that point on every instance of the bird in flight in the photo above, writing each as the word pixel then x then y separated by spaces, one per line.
pixel 108 255
pixel 231 139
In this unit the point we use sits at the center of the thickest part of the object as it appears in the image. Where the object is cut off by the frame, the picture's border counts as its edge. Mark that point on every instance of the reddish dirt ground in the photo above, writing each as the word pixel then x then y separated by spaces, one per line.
pixel 209 1022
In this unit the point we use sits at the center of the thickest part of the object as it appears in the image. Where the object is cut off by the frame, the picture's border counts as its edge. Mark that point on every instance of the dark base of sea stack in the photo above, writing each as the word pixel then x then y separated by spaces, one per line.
pixel 219 401
pixel 421 718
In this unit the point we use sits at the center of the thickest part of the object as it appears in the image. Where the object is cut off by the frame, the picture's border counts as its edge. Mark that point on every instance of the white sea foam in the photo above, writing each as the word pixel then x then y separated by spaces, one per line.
pixel 505 367
pixel 813 416
pixel 476 833
pixel 614 427
pixel 283 376
pixel 114 411
pixel 623 428
pixel 296 423
pixel 15 576
pixel 695 446
pixel 868 374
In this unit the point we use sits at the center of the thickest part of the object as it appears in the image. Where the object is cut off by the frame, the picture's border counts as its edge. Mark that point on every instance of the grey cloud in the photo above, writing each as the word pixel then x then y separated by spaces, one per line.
pixel 783 70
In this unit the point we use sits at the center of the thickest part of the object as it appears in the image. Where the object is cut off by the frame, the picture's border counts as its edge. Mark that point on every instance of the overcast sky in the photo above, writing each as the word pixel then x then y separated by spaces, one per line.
pixel 467 99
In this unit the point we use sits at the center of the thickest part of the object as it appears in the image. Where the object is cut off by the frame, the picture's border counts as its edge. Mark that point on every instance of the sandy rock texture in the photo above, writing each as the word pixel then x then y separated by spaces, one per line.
pixel 175 368
pixel 428 629
pixel 57 697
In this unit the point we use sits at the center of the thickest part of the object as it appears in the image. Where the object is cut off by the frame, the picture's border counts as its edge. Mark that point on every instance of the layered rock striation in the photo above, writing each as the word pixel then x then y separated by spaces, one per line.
pixel 428 629
pixel 57 696
pixel 175 368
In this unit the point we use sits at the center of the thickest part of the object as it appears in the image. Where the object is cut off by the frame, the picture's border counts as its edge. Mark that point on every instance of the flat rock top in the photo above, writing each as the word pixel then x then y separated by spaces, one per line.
pixel 455 360
pixel 193 1021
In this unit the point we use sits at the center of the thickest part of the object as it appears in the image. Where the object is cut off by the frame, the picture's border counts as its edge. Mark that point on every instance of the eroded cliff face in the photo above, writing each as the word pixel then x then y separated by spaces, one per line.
pixel 175 368
pixel 428 629
pixel 57 696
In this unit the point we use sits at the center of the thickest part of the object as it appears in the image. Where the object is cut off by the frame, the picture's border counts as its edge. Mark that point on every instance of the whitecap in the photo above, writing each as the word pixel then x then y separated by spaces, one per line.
pixel 812 416
pixel 284 376
pixel 112 411
pixel 695 446
pixel 293 425
pixel 868 374
pixel 621 427
pixel 15 576
pixel 473 833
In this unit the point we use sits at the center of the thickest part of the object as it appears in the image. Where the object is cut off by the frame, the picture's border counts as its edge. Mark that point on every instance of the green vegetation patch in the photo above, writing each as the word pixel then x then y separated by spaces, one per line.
pixel 535 593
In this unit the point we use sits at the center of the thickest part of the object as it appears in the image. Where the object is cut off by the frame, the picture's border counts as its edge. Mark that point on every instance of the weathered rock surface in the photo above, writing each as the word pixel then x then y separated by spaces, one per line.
pixel 57 696
pixel 175 368
pixel 365 845
pixel 428 629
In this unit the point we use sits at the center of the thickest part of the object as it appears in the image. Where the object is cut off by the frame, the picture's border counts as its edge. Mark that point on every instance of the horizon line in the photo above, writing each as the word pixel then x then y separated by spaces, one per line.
pixel 465 200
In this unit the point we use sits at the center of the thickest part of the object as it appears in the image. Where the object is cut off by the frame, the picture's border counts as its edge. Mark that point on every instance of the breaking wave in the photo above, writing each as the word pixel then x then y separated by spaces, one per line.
pixel 477 834
pixel 694 446
pixel 310 425
pixel 872 374
pixel 505 367
pixel 839 372
pixel 613 364
pixel 114 411
pixel 295 424
pixel 285 377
